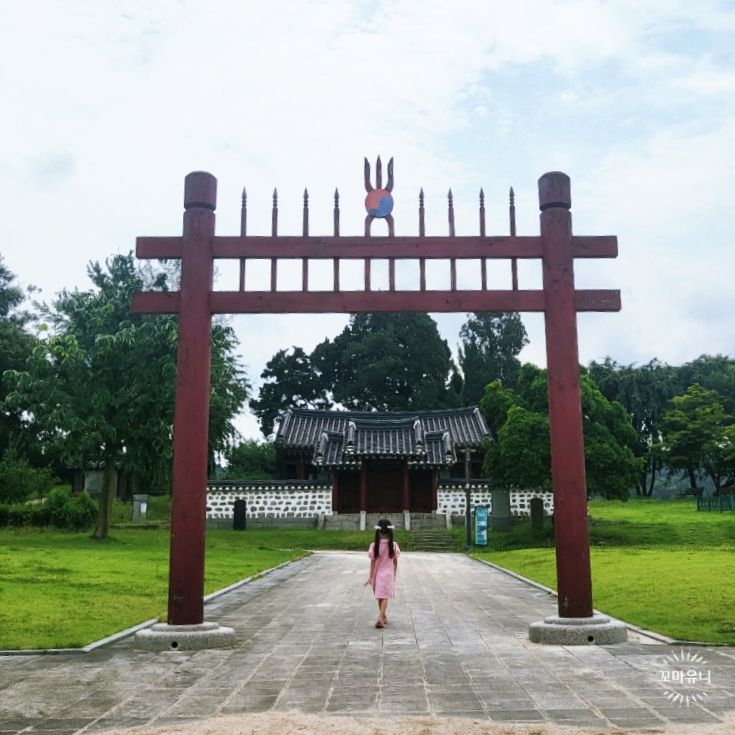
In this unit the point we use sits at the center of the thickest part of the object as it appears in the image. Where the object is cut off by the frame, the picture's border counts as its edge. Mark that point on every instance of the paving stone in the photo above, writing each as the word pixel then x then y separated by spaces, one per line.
pixel 515 715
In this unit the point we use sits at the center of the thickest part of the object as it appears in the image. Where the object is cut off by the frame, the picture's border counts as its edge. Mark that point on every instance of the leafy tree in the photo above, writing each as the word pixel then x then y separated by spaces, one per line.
pixel 520 455
pixel 716 372
pixel 490 343
pixel 289 379
pixel 251 460
pixel 101 383
pixel 644 391
pixel 19 481
pixel 387 362
pixel 16 346
pixel 698 435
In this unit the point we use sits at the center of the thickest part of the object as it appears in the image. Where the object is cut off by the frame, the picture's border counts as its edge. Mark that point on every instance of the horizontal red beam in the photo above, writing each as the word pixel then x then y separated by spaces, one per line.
pixel 158 247
pixel 337 302
pixel 156 302
pixel 377 247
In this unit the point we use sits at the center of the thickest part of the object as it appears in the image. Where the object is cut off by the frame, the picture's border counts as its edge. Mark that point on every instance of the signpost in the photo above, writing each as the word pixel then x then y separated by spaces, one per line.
pixel 481 525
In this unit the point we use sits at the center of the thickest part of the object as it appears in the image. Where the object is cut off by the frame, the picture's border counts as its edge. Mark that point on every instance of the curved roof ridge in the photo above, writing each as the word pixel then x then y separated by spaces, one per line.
pixel 416 412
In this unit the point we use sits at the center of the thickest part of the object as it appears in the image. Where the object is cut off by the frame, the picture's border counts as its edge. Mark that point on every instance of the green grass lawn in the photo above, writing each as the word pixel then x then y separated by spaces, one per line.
pixel 660 565
pixel 60 589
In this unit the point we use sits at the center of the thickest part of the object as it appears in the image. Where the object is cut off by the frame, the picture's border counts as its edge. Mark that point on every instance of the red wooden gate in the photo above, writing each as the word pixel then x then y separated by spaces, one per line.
pixel 195 303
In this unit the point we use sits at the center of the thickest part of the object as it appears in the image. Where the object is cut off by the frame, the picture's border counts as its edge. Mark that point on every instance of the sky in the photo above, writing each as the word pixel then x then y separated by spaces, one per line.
pixel 106 106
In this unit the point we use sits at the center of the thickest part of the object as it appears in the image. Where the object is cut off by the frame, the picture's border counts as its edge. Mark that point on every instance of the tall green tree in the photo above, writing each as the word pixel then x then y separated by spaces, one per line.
pixel 697 435
pixel 101 384
pixel 387 362
pixel 715 372
pixel 490 343
pixel 289 380
pixel 644 391
pixel 520 455
pixel 251 460
pixel 16 346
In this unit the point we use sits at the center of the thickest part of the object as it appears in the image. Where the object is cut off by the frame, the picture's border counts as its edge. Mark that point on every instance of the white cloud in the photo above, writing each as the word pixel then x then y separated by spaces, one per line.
pixel 108 106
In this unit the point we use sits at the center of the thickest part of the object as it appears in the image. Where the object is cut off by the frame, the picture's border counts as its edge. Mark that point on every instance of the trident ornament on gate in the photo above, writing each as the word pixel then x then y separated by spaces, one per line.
pixel 379 201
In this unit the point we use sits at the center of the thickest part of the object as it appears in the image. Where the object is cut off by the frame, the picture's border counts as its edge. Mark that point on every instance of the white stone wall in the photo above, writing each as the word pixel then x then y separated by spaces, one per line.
pixel 452 500
pixel 309 500
pixel 271 501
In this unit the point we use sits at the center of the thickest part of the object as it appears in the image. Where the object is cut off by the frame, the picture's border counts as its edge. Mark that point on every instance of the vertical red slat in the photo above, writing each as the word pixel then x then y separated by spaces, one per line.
pixel 391 274
pixel 422 233
pixel 512 218
pixel 274 233
pixel 336 274
pixel 452 261
pixel 368 264
pixel 304 274
pixel 336 213
pixel 243 232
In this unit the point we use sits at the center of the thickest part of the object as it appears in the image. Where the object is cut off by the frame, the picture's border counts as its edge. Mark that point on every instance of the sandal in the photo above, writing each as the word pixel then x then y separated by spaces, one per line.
pixel 379 623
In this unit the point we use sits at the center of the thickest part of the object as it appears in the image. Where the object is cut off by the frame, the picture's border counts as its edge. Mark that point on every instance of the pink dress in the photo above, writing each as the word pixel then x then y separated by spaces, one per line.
pixel 383 575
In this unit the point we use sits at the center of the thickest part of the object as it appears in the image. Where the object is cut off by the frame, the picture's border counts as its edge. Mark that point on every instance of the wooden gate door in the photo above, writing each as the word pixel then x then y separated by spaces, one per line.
pixel 384 487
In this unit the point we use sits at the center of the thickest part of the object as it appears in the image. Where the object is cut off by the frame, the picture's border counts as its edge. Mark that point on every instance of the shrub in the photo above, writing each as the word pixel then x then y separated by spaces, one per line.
pixel 61 510
pixel 70 511
pixel 80 512
pixel 19 481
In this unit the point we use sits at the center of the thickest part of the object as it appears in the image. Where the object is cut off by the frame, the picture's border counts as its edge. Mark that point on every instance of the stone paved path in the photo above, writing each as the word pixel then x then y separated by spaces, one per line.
pixel 455 646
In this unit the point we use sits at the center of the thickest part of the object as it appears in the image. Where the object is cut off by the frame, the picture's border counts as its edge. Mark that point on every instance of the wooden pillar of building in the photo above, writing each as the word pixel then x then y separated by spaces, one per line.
pixel 300 469
pixel 335 491
pixel 406 500
pixel 434 489
pixel 363 487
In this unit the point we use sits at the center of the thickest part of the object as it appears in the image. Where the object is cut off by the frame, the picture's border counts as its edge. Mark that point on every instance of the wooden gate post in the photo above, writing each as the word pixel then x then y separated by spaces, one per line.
pixel 565 406
pixel 191 418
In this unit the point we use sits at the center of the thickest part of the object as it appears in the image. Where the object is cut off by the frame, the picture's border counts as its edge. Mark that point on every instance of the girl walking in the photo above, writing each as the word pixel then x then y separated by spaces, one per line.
pixel 383 553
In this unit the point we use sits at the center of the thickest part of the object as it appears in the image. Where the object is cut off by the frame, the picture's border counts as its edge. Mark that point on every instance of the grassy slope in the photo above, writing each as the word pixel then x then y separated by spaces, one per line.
pixel 62 589
pixel 662 566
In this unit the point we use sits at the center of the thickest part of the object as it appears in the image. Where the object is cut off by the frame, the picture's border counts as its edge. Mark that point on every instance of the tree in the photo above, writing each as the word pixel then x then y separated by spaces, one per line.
pixel 520 455
pixel 716 372
pixel 101 383
pixel 16 346
pixel 697 435
pixel 387 362
pixel 289 379
pixel 490 343
pixel 251 460
pixel 644 391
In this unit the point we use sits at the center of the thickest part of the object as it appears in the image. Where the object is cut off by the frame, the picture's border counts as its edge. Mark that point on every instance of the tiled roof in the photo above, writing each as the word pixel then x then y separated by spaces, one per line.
pixel 344 438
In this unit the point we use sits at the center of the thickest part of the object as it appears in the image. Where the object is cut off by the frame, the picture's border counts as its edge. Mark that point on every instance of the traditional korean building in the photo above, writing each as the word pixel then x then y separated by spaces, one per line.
pixel 381 462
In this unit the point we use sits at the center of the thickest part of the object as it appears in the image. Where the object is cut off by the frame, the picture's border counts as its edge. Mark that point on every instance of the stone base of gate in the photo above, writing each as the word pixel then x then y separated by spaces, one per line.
pixel 165 637
pixel 598 630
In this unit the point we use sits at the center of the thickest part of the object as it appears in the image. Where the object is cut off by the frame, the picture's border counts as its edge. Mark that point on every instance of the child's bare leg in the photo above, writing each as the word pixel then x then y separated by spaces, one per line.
pixel 382 607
